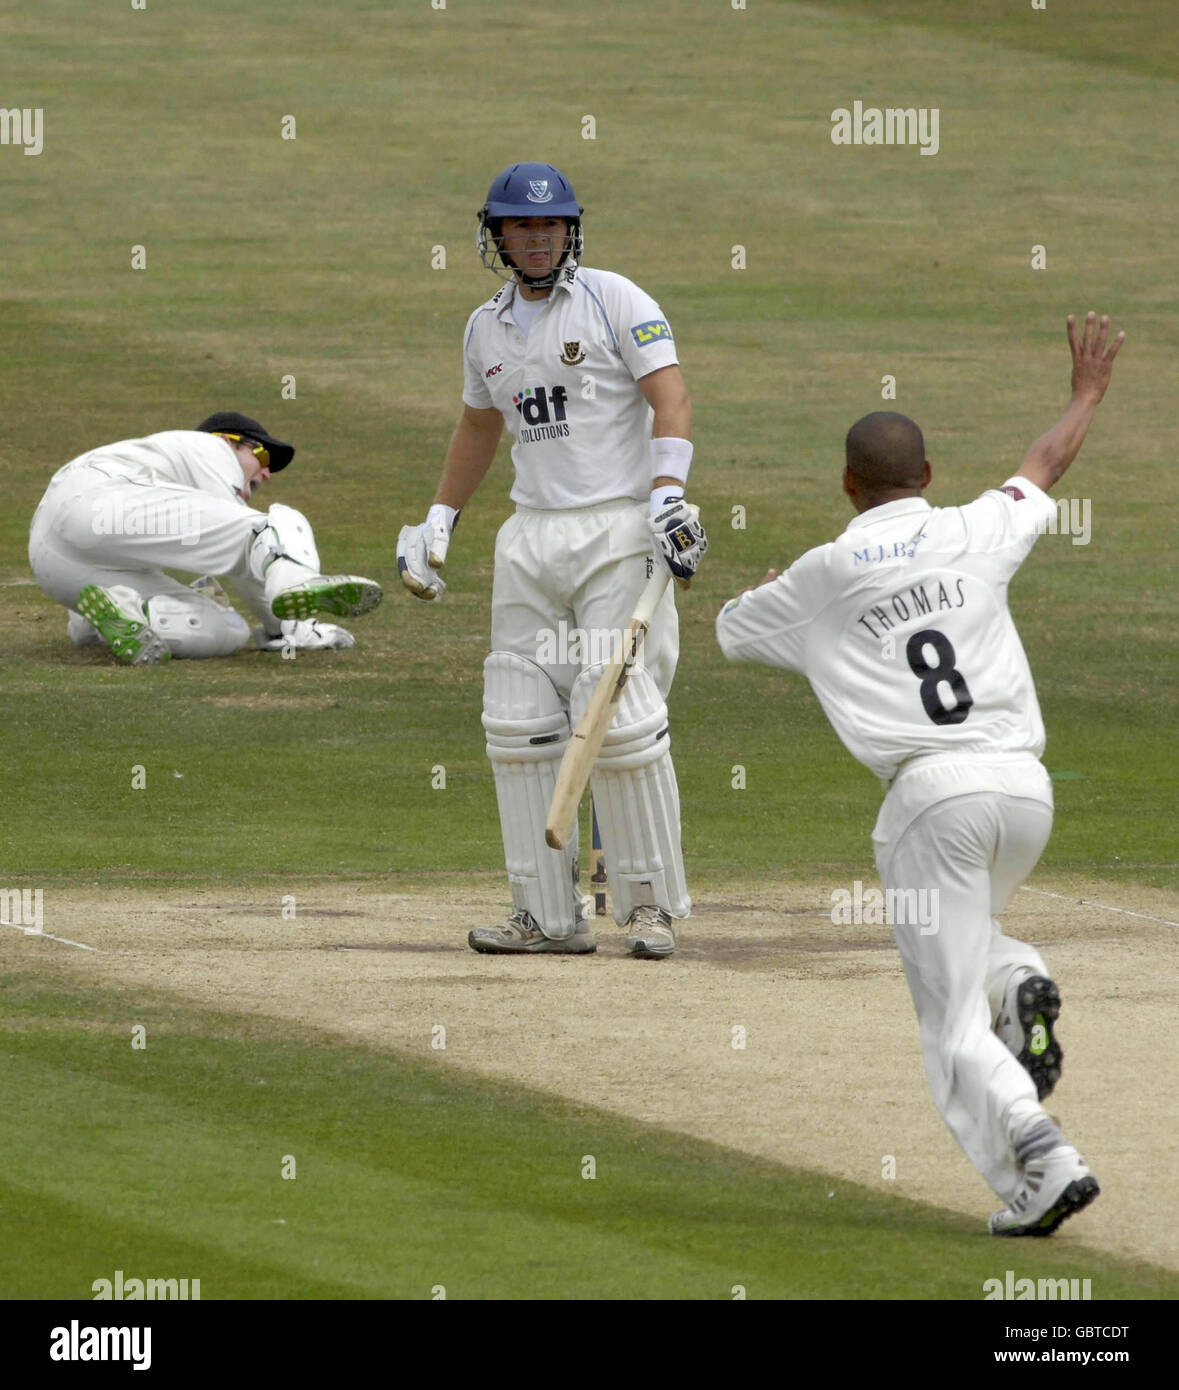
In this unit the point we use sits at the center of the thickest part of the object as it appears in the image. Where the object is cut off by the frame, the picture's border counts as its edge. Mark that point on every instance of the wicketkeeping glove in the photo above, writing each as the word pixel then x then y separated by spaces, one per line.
pixel 679 539
pixel 421 552
pixel 304 635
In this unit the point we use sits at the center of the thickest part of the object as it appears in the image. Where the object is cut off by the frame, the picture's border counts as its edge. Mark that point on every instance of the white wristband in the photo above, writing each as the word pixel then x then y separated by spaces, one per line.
pixel 671 458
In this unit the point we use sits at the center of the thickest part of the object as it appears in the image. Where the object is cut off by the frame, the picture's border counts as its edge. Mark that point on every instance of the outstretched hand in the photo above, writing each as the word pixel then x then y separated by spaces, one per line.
pixel 1049 457
pixel 1092 360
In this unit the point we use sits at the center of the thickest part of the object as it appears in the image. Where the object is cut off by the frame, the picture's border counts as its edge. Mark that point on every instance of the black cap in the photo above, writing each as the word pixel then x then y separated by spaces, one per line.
pixel 231 422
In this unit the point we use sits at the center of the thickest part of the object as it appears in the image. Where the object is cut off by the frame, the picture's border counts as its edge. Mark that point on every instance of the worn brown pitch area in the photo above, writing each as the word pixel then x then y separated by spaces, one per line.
pixel 829 1076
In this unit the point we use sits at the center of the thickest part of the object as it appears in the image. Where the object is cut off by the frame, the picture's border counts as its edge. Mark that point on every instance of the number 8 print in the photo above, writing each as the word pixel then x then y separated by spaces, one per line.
pixel 932 677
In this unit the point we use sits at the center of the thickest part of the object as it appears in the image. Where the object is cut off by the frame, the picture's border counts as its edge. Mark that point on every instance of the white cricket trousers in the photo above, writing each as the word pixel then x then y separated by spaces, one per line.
pixel 565 579
pixel 87 530
pixel 975 847
pixel 566 583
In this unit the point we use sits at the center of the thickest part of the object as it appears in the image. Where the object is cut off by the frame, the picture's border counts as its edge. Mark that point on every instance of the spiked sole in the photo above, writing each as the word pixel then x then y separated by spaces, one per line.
pixel 1038 1004
pixel 344 595
pixel 1075 1197
pixel 488 942
pixel 132 642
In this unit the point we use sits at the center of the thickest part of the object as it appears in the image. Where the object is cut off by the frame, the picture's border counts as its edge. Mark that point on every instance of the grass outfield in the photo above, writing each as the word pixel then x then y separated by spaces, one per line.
pixel 167 1161
pixel 312 258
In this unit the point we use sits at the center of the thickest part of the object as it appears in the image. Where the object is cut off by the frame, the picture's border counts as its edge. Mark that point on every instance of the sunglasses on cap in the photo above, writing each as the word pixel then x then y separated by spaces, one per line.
pixel 260 451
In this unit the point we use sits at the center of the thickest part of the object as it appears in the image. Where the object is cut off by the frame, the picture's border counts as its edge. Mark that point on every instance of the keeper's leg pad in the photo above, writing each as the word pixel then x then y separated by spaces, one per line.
pixel 527 731
pixel 282 552
pixel 636 798
pixel 295 535
pixel 191 625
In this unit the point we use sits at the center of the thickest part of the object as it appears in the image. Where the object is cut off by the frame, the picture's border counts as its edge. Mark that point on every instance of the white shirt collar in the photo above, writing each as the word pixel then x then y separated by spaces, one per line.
pixel 565 281
pixel 889 511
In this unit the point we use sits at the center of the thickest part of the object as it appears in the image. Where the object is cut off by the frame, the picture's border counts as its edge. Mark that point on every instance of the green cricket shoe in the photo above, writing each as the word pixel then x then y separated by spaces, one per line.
pixel 121 618
pixel 345 595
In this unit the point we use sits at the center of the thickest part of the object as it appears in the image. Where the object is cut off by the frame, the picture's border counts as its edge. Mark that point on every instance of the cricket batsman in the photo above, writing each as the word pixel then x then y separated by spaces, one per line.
pixel 902 627
pixel 113 520
pixel 582 366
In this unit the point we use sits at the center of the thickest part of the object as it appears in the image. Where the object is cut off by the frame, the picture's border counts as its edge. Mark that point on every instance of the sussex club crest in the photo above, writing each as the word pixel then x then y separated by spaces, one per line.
pixel 573 354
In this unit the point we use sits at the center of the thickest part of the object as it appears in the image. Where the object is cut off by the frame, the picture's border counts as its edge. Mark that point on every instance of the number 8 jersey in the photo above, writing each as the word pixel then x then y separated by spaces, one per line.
pixel 902 628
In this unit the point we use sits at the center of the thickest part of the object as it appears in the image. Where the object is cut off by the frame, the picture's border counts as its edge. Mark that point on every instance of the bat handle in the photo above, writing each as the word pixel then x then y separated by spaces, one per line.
pixel 598 878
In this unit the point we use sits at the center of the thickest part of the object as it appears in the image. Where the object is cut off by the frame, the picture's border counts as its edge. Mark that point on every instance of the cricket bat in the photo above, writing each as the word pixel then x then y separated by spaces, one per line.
pixel 586 743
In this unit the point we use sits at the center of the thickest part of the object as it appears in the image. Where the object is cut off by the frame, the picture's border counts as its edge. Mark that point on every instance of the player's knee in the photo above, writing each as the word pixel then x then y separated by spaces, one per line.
pixel 295 535
pixel 638 733
pixel 193 626
pixel 523 716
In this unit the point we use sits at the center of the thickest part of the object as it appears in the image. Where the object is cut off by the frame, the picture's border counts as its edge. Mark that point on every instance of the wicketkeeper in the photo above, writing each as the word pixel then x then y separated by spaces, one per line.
pixel 582 367
pixel 113 520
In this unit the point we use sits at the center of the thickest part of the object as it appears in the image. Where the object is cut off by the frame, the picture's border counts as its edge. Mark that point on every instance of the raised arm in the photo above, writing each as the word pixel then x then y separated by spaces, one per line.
pixel 1051 454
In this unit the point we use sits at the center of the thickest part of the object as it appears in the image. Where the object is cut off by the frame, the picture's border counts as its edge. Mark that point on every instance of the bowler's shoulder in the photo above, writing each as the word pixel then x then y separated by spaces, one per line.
pixel 818 557
pixel 1001 514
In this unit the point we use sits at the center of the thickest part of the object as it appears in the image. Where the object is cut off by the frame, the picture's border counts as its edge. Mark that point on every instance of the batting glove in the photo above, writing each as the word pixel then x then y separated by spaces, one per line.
pixel 679 538
pixel 421 552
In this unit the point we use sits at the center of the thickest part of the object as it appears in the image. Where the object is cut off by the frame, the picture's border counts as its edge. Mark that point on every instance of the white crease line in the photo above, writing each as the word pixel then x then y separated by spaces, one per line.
pixel 65 941
pixel 1088 902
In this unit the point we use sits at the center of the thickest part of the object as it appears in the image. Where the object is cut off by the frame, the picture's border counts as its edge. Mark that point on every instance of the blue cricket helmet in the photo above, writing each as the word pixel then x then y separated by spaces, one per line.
pixel 529 189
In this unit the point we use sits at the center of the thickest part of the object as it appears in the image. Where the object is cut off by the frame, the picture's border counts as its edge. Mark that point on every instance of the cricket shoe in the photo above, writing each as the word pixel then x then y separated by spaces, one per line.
pixel 121 618
pixel 1031 1006
pixel 1053 1188
pixel 346 595
pixel 649 933
pixel 521 934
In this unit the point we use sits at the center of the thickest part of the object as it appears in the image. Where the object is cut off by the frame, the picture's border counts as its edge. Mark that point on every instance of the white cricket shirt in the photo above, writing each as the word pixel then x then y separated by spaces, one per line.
pixel 568 388
pixel 902 628
pixel 181 458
